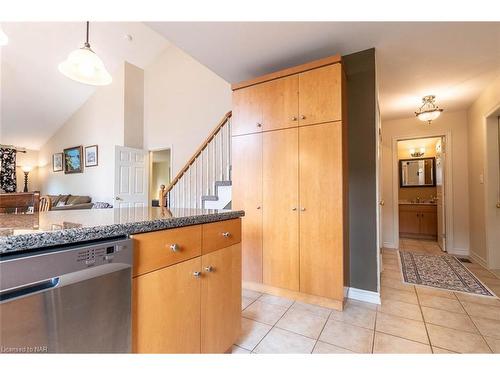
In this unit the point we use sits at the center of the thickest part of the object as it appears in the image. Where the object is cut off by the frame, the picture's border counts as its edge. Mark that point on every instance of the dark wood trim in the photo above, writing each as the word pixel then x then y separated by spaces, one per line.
pixel 414 186
pixel 288 71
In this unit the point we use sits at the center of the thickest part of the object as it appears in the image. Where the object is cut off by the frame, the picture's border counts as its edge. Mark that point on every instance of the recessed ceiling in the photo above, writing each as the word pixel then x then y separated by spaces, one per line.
pixel 453 61
pixel 36 99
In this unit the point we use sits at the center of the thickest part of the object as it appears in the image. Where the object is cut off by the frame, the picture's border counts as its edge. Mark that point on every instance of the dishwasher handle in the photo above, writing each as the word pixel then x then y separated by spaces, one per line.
pixel 29 289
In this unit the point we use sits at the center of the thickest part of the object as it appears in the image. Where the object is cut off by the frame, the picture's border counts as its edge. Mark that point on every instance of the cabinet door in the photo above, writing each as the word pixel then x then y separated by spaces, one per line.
pixel 409 221
pixel 247 196
pixel 320 95
pixel 166 310
pixel 280 103
pixel 321 210
pixel 280 209
pixel 221 299
pixel 247 110
pixel 428 223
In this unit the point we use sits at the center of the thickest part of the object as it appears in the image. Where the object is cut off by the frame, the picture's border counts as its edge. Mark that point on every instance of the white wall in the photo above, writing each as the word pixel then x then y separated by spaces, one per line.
pixel 454 123
pixel 488 101
pixel 99 121
pixel 183 102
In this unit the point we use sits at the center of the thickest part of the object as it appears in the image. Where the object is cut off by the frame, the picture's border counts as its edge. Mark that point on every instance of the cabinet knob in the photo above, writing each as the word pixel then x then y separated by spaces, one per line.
pixel 175 247
pixel 294 118
pixel 498 205
pixel 382 202
pixel 302 209
pixel 294 208
pixel 259 125
pixel 258 207
pixel 302 117
pixel 197 274
pixel 209 269
pixel 226 234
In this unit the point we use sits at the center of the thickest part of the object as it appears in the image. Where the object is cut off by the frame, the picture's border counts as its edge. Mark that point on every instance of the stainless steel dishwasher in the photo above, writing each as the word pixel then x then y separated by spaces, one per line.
pixel 67 300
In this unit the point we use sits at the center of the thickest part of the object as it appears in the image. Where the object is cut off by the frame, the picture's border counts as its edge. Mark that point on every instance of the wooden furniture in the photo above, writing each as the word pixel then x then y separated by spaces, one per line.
pixel 187 289
pixel 290 176
pixel 19 202
pixel 45 203
pixel 418 221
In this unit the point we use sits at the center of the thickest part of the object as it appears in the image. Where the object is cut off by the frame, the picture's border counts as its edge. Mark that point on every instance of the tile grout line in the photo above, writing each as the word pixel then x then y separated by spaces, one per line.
pixel 474 323
pixel 425 323
pixel 322 329
pixel 374 329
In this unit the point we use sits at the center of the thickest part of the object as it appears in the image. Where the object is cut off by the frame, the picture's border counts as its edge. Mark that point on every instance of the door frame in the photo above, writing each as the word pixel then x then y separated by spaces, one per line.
pixel 448 185
pixel 150 166
pixel 492 260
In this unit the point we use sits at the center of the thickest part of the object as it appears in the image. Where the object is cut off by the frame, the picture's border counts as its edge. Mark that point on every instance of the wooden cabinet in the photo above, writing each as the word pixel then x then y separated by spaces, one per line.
pixel 220 299
pixel 192 306
pixel 418 221
pixel 321 205
pixel 247 111
pixel 247 196
pixel 280 103
pixel 320 95
pixel 295 166
pixel 280 235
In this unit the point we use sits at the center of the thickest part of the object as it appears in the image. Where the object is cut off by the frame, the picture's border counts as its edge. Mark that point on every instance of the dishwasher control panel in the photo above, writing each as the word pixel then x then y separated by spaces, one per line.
pixel 98 255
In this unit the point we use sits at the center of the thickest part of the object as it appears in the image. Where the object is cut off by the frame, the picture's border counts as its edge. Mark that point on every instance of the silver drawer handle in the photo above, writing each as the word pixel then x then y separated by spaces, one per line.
pixel 209 269
pixel 197 274
pixel 174 247
pixel 226 234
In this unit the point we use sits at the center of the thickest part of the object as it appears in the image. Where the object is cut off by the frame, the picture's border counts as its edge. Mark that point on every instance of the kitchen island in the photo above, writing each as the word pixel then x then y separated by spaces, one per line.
pixel 186 274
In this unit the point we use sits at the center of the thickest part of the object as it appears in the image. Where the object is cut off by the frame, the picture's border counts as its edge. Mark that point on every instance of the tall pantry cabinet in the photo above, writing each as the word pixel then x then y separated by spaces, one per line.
pixel 290 176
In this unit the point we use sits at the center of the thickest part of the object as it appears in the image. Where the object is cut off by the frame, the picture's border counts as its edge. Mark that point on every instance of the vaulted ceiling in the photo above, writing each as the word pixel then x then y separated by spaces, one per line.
pixel 36 99
pixel 453 61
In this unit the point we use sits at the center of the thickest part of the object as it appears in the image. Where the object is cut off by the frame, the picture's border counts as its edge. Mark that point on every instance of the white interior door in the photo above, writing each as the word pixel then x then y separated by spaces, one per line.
pixel 131 178
pixel 440 181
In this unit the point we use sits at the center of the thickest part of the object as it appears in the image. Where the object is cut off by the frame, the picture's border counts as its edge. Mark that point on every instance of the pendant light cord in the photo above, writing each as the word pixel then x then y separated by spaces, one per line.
pixel 87 40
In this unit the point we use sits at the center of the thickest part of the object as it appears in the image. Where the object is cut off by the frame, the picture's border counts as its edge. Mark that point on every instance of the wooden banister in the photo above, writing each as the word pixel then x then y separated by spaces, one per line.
pixel 198 152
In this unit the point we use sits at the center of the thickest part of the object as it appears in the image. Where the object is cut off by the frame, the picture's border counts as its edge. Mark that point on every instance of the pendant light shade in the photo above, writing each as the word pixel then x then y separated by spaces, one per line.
pixel 83 65
pixel 429 111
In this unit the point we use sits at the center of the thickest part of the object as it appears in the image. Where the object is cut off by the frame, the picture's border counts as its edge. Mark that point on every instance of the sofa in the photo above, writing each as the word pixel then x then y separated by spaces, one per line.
pixel 70 202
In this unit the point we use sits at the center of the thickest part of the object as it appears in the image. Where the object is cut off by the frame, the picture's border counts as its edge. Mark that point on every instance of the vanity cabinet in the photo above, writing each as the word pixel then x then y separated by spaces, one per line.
pixel 418 221
pixel 290 177
pixel 190 300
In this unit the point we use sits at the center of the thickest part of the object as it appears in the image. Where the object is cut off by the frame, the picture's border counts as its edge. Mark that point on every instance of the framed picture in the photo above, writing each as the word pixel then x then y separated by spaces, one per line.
pixel 91 156
pixel 73 162
pixel 57 162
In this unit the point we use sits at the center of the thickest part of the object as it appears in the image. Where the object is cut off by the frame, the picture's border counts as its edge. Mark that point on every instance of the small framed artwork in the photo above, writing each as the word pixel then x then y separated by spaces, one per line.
pixel 91 156
pixel 57 162
pixel 73 162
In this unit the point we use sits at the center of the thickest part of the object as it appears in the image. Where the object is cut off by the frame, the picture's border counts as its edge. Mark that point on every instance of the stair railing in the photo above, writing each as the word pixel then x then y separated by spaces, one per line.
pixel 210 163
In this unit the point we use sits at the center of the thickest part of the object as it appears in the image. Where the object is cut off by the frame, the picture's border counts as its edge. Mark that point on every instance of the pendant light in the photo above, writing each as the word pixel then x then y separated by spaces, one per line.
pixel 83 65
pixel 429 111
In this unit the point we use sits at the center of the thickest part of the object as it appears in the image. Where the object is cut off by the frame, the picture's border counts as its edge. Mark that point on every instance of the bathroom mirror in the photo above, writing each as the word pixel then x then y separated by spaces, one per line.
pixel 417 172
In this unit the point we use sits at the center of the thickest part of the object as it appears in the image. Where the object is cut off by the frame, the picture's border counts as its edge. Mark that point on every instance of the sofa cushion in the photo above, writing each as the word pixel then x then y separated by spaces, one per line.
pixel 55 199
pixel 77 199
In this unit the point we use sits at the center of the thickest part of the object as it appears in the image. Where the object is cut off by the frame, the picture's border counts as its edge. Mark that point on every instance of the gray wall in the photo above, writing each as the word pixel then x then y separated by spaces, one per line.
pixel 360 71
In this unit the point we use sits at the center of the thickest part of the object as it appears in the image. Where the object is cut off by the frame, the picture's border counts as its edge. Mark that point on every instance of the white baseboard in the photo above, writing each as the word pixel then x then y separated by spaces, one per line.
pixel 364 295
pixel 459 252
pixel 389 245
pixel 479 259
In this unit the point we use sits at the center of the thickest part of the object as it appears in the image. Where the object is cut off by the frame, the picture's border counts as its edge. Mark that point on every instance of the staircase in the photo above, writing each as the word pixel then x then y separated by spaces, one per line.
pixel 205 180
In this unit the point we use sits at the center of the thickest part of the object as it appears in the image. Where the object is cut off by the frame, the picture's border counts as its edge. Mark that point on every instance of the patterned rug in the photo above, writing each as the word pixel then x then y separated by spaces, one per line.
pixel 440 271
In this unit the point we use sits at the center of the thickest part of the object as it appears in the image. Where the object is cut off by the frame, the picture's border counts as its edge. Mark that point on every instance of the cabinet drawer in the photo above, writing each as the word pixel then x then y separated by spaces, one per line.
pixel 220 235
pixel 156 250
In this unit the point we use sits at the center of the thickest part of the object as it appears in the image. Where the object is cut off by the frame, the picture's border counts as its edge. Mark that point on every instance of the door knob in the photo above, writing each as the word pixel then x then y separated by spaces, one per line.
pixel 226 234
pixel 209 269
pixel 382 202
pixel 174 247
pixel 259 125
pixel 197 274
pixel 498 204
pixel 118 198
pixel 302 117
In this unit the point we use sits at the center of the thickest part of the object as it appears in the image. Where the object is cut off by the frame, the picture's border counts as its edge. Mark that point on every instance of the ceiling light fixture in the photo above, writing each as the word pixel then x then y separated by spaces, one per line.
pixel 4 39
pixel 429 111
pixel 417 154
pixel 83 65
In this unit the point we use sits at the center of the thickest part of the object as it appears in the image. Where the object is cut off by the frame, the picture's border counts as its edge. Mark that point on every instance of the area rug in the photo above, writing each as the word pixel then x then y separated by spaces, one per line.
pixel 440 271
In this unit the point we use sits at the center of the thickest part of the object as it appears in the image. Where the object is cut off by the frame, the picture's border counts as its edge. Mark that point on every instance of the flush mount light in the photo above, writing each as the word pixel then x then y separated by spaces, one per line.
pixel 4 39
pixel 429 111
pixel 83 65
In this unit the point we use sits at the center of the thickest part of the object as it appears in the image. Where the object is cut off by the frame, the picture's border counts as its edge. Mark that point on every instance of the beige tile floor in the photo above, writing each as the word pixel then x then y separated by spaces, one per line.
pixel 409 320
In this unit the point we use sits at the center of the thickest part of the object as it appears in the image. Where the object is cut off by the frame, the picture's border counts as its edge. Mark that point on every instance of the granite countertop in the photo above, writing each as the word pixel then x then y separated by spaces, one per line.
pixel 20 232
pixel 419 203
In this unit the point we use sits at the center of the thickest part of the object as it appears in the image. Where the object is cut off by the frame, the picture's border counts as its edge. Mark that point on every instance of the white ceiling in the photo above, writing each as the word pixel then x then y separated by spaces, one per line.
pixel 36 99
pixel 453 61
